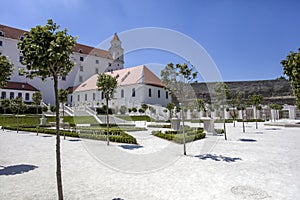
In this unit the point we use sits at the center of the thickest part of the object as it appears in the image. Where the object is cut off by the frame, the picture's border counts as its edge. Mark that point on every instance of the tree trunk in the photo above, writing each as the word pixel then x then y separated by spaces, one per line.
pixel 17 121
pixel 107 122
pixel 183 131
pixel 256 118
pixel 64 120
pixel 58 161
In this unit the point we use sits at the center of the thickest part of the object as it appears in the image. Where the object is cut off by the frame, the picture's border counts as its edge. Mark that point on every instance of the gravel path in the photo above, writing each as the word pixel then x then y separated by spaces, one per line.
pixel 261 164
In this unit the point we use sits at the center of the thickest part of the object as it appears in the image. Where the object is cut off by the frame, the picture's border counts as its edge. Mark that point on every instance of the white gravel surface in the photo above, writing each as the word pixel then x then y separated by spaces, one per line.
pixel 259 164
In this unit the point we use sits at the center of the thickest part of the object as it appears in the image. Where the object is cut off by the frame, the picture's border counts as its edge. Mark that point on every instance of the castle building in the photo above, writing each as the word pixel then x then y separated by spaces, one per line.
pixel 136 86
pixel 88 61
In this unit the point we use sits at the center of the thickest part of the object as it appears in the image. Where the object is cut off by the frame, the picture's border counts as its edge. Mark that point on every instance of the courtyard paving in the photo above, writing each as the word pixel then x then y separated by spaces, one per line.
pixel 260 164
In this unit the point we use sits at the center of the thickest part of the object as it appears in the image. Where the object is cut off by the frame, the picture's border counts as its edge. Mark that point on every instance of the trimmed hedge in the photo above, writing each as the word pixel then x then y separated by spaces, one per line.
pixel 114 135
pixel 178 137
pixel 159 126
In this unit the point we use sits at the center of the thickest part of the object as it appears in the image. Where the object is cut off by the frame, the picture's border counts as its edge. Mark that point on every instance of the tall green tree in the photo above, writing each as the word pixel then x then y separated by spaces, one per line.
pixel 177 79
pixel 5 104
pixel 46 51
pixel 222 93
pixel 37 99
pixel 6 70
pixel 107 85
pixel 234 102
pixel 256 100
pixel 63 98
pixel 291 68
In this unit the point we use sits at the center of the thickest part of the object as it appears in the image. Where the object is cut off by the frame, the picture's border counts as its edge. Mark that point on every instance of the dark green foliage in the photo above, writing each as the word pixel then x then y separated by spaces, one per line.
pixel 6 70
pixel 177 137
pixel 135 118
pixel 159 126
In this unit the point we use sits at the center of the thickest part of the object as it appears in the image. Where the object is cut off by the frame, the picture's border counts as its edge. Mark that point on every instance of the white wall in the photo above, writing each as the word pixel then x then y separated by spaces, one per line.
pixel 141 96
pixel 16 92
pixel 9 48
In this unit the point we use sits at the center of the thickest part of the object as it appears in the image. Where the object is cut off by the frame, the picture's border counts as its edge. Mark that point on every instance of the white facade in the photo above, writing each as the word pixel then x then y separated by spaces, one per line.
pixel 88 60
pixel 20 91
pixel 136 86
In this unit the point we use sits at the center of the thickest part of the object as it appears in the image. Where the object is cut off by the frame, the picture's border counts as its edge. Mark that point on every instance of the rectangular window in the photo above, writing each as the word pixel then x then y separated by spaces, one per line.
pixel 149 93
pixel 85 97
pixel 71 98
pixel 11 95
pixel 81 68
pixel 97 71
pixel 97 61
pixel 122 93
pixel 80 78
pixel 27 96
pixel 94 96
pixel 102 95
pixel 109 64
pixel 158 93
pixel 20 94
pixel 133 92
pixel 21 58
pixel 81 58
pixel 3 95
pixel 78 97
pixel 167 95
pixel 63 78
pixel 0 43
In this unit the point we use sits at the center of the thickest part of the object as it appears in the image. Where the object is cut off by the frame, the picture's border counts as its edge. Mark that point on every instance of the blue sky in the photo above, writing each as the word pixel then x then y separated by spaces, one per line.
pixel 246 39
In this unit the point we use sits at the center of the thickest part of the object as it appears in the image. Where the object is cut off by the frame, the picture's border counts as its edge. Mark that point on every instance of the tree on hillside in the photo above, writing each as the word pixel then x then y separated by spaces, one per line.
pixel 5 104
pixel 6 70
pixel 256 100
pixel 63 98
pixel 177 79
pixel 46 51
pixel 37 99
pixel 107 85
pixel 291 68
pixel 221 94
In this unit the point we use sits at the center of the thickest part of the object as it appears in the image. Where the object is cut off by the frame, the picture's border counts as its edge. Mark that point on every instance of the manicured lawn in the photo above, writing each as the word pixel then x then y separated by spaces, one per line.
pixel 135 118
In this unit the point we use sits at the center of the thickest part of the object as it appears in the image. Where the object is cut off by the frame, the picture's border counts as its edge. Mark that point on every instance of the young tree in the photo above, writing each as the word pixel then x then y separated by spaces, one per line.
pixel 234 102
pixel 6 70
pixel 62 98
pixel 291 68
pixel 256 100
pixel 44 109
pixel 107 84
pixel 221 94
pixel 15 107
pixel 177 79
pixel 275 107
pixel 46 51
pixel 170 107
pixel 5 103
pixel 53 109
pixel 144 106
pixel 37 98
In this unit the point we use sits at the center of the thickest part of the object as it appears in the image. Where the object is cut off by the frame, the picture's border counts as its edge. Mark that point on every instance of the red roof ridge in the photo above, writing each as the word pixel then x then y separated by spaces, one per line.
pixel 19 86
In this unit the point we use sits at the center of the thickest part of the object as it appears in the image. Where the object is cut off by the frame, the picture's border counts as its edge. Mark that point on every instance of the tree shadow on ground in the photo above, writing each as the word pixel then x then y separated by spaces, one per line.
pixel 16 169
pixel 217 158
pixel 272 129
pixel 74 140
pixel 131 146
pixel 46 136
pixel 247 140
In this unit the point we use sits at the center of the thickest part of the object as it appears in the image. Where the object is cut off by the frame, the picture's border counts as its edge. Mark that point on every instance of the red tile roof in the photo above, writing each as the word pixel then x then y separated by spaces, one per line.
pixel 15 33
pixel 19 86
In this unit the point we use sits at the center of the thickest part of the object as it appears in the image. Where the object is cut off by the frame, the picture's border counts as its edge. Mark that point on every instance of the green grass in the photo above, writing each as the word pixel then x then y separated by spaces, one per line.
pixel 135 118
pixel 76 120
pixel 30 120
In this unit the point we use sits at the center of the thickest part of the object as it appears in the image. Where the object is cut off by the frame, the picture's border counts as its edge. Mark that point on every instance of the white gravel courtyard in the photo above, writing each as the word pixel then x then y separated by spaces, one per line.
pixel 259 164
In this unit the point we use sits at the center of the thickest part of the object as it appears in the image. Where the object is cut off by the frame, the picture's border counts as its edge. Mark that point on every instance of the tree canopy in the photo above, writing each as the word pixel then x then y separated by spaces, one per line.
pixel 291 68
pixel 6 70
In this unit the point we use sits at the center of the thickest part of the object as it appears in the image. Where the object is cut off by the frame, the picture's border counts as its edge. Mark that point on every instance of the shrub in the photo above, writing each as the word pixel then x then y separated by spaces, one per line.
pixel 178 138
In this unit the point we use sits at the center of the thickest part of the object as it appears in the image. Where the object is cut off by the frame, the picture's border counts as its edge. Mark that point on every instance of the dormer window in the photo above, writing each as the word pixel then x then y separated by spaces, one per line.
pixel 109 64
pixel 81 58
pixel 21 37
pixel 1 33
pixel 80 51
